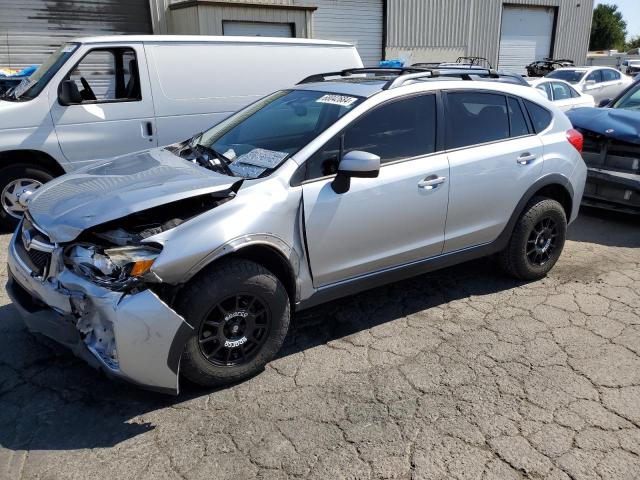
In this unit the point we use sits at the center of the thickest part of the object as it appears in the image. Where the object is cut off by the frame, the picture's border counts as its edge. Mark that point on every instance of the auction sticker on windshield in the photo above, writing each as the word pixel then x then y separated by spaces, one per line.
pixel 342 100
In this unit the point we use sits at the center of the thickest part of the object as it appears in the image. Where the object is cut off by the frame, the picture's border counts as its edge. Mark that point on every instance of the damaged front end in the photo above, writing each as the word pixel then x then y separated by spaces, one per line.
pixel 96 300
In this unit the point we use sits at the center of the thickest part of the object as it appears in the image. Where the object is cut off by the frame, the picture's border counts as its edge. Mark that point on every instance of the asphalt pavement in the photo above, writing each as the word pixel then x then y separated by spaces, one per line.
pixel 461 374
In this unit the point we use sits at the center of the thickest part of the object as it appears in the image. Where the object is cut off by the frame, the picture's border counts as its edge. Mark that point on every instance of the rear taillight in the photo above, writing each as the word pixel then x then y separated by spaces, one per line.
pixel 576 139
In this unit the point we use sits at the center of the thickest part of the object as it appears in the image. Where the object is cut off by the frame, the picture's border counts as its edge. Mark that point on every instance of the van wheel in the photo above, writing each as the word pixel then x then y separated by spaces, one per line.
pixel 240 314
pixel 15 181
pixel 537 240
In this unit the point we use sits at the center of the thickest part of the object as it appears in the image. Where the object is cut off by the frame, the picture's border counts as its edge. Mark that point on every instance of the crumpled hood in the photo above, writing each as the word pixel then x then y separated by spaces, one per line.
pixel 615 123
pixel 113 189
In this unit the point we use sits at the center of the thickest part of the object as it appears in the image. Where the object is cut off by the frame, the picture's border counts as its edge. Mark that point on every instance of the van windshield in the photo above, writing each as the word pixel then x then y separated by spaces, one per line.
pixel 256 140
pixel 31 87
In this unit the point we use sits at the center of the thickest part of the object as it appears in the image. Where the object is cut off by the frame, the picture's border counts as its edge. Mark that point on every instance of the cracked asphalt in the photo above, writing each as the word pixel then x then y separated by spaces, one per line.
pixel 460 374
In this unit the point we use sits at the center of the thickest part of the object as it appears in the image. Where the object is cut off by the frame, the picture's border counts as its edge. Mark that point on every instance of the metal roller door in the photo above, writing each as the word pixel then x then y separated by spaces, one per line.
pixel 257 29
pixel 355 21
pixel 31 29
pixel 526 34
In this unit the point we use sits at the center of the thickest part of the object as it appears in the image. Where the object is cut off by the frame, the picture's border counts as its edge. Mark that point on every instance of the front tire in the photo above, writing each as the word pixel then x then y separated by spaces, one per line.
pixel 15 180
pixel 240 314
pixel 537 240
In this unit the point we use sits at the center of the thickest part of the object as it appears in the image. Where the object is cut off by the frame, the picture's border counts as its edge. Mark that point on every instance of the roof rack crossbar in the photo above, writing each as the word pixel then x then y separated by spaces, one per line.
pixel 404 75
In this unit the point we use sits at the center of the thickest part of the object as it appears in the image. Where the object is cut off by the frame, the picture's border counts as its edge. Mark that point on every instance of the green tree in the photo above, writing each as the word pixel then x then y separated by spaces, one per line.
pixel 608 30
pixel 633 43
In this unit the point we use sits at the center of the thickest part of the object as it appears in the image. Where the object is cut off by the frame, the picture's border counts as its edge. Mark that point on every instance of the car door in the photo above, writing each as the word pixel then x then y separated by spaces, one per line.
pixel 394 219
pixel 116 114
pixel 612 83
pixel 562 96
pixel 593 85
pixel 494 158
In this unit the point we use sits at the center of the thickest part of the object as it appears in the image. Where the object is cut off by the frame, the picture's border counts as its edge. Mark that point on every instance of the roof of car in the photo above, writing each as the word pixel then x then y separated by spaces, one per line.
pixel 369 87
pixel 206 39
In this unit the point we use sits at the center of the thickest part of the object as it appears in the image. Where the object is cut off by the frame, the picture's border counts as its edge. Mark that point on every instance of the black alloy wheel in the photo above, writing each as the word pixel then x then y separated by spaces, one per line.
pixel 235 330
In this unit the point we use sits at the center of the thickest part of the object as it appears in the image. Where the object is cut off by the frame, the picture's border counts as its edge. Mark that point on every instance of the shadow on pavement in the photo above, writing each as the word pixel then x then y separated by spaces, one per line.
pixel 607 228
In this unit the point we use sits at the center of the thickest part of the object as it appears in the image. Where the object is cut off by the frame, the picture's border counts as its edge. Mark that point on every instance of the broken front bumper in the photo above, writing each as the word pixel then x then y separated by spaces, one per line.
pixel 134 337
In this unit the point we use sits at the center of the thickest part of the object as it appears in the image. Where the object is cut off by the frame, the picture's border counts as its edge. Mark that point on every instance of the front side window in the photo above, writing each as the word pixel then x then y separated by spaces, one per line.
pixel 571 76
pixel 630 100
pixel 394 131
pixel 257 139
pixel 474 118
pixel 107 75
pixel 560 91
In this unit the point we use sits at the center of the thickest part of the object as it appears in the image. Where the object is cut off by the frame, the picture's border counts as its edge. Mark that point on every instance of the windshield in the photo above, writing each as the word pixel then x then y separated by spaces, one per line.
pixel 571 76
pixel 31 87
pixel 630 100
pixel 257 139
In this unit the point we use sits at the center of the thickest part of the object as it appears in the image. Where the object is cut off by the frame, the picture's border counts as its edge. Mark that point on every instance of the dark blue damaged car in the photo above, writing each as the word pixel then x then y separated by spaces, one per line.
pixel 612 151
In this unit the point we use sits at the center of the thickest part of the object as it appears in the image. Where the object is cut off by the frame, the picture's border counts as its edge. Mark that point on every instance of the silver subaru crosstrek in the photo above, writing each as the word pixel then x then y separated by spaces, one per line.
pixel 188 260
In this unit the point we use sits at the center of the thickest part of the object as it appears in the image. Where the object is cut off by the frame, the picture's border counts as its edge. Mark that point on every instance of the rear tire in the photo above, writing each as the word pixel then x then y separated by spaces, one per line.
pixel 240 314
pixel 14 180
pixel 537 240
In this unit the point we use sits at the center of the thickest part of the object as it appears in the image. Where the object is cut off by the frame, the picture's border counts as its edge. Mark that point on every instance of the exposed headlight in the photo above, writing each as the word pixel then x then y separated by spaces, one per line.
pixel 135 260
pixel 111 267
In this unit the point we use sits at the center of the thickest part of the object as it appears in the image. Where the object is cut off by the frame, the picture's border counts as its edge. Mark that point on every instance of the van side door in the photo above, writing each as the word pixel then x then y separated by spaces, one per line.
pixel 113 114
pixel 494 156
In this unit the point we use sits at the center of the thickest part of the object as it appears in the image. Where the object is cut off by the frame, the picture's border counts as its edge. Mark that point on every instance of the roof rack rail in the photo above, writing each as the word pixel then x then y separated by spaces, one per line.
pixel 404 74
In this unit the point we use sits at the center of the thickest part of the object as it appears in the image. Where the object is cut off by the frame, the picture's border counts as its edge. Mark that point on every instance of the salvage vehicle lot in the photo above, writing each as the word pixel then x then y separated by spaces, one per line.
pixel 461 373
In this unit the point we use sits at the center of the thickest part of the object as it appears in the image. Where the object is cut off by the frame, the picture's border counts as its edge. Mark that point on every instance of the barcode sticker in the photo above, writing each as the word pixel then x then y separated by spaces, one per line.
pixel 342 100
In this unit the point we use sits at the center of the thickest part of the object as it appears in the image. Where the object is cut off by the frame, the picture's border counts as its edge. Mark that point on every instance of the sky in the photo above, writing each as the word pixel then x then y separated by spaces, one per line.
pixel 630 12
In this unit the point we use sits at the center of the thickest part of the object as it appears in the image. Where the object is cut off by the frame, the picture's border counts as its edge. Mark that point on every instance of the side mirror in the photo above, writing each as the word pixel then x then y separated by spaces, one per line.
pixel 589 83
pixel 355 164
pixel 68 93
pixel 604 102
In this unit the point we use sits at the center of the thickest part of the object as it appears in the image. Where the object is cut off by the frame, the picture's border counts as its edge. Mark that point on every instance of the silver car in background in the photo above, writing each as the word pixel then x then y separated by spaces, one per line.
pixel 189 260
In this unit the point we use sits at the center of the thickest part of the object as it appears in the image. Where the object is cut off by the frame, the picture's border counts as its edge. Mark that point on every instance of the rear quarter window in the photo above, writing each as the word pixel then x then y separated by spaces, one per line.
pixel 540 116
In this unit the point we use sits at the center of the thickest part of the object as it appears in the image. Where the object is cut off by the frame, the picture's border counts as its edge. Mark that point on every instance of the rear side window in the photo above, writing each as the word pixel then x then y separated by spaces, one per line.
pixel 596 76
pixel 546 89
pixel 610 75
pixel 560 91
pixel 516 118
pixel 474 118
pixel 540 117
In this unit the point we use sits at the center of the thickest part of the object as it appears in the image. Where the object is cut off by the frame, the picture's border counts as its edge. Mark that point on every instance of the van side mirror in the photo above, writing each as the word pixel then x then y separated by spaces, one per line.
pixel 355 164
pixel 604 102
pixel 68 93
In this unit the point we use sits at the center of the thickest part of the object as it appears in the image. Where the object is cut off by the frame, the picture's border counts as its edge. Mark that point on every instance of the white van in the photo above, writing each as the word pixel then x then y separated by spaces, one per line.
pixel 100 97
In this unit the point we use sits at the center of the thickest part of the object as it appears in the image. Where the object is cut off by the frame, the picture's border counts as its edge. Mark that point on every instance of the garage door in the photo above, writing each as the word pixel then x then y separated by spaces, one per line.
pixel 31 29
pixel 355 21
pixel 257 29
pixel 525 36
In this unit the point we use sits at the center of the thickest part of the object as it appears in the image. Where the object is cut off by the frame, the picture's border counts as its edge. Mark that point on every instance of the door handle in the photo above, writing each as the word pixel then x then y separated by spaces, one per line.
pixel 147 130
pixel 431 182
pixel 525 159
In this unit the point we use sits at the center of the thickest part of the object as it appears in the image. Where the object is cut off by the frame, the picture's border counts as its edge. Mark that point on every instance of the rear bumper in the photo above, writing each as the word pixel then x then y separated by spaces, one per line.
pixel 132 337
